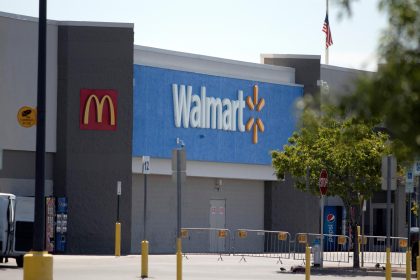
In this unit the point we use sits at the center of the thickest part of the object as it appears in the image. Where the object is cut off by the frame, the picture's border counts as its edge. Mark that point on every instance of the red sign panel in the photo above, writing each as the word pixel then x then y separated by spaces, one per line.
pixel 323 182
pixel 98 109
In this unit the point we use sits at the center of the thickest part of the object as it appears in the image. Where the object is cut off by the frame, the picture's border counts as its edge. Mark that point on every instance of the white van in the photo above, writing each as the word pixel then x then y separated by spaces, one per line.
pixel 16 226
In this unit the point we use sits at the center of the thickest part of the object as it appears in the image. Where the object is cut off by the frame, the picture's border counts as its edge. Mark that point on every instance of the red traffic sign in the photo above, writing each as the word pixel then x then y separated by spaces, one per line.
pixel 323 182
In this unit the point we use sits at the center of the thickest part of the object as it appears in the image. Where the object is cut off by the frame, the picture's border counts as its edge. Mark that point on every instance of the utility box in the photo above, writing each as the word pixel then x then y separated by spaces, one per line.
pixel 316 251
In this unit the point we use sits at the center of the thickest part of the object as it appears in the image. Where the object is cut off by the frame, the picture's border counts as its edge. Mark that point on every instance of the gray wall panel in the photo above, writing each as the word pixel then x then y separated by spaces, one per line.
pixel 307 71
pixel 18 173
pixel 90 162
pixel 18 81
pixel 341 81
pixel 291 209
pixel 244 208
pixel 21 165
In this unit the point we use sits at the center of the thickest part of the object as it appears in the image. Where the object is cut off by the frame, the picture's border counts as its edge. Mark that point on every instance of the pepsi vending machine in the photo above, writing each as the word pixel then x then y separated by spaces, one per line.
pixel 332 226
pixel 61 226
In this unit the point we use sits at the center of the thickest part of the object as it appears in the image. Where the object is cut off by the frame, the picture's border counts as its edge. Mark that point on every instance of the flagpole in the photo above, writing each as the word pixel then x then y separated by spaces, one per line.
pixel 326 47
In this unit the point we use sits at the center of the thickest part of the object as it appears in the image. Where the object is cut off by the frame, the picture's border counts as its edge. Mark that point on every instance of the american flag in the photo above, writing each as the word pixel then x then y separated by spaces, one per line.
pixel 326 29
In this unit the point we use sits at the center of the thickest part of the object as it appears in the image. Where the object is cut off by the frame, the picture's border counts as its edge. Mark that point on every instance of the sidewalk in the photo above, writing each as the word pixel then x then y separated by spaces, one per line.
pixel 329 269
pixel 196 267
pixel 346 268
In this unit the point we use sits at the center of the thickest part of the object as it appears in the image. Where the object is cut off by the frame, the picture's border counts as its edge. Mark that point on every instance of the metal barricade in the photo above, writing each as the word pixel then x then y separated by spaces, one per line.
pixel 262 243
pixel 373 249
pixel 336 247
pixel 206 241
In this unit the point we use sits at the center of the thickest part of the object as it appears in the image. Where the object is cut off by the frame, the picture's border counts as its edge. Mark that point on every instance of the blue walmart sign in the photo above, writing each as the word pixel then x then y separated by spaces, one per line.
pixel 219 119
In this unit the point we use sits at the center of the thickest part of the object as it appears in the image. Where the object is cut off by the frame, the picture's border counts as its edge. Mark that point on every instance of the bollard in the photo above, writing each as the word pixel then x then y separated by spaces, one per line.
pixel 358 238
pixel 38 265
pixel 178 260
pixel 388 264
pixel 308 262
pixel 144 259
pixel 408 264
pixel 117 239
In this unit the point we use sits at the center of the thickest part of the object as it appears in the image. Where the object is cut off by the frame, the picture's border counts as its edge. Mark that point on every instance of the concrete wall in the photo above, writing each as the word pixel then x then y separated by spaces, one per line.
pixel 213 66
pixel 90 162
pixel 18 173
pixel 290 209
pixel 341 81
pixel 307 68
pixel 21 165
pixel 244 208
pixel 197 168
pixel 18 88
pixel 400 226
pixel 18 81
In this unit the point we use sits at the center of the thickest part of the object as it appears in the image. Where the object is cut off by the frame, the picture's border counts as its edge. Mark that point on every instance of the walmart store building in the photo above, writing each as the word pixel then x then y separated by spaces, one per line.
pixel 109 104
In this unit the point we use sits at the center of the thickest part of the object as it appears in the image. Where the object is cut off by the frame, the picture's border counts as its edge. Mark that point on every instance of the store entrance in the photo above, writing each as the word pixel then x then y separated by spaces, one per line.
pixel 378 219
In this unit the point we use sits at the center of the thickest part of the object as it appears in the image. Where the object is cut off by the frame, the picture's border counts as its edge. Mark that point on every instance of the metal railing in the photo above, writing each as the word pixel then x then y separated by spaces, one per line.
pixel 206 241
pixel 373 249
pixel 336 247
pixel 278 244
pixel 262 243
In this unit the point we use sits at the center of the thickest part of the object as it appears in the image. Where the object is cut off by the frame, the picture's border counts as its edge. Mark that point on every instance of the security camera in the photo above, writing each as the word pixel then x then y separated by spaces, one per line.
pixel 180 142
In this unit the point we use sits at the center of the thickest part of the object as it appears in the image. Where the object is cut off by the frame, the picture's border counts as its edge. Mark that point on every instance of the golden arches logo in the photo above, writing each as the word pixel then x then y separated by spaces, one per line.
pixel 256 124
pixel 99 109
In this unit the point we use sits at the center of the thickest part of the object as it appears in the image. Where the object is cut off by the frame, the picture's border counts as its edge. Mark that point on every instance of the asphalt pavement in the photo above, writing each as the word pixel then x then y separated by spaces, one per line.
pixel 195 267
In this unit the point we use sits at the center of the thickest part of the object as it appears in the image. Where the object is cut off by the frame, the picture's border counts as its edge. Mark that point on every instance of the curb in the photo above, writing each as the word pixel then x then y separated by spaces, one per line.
pixel 351 272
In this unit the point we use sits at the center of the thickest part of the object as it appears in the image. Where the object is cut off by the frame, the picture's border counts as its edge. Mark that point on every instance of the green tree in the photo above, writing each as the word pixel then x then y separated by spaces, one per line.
pixel 348 149
pixel 393 93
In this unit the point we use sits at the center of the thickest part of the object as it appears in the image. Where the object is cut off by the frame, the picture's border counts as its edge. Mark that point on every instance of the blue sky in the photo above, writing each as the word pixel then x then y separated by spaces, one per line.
pixel 233 29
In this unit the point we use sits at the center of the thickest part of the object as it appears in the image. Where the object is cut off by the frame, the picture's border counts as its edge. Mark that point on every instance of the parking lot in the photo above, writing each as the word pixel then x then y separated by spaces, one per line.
pixel 202 267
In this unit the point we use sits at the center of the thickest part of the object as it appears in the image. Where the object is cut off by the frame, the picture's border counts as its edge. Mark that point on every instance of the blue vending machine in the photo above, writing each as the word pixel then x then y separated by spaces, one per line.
pixel 332 223
pixel 61 225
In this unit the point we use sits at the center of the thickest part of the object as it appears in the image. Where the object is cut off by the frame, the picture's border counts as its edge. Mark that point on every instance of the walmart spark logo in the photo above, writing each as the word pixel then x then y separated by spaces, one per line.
pixel 255 124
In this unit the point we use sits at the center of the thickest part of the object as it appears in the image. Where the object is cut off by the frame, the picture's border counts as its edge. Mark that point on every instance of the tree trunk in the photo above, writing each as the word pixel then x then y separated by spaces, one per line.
pixel 356 261
pixel 352 220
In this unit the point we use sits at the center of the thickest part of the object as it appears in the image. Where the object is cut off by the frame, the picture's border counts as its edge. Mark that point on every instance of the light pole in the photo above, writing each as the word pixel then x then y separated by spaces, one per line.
pixel 117 223
pixel 38 263
pixel 145 243
pixel 390 163
pixel 179 168
pixel 38 241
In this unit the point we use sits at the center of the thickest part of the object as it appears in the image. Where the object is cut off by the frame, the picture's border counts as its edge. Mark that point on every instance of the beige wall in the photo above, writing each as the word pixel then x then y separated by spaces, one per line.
pixel 18 81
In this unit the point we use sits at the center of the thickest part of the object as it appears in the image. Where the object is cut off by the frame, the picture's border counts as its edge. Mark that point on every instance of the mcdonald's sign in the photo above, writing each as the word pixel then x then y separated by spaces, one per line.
pixel 98 109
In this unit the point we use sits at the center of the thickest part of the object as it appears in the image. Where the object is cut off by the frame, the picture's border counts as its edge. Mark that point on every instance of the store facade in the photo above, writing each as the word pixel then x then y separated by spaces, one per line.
pixel 109 103
pixel 229 115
